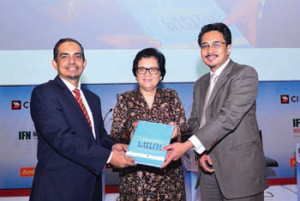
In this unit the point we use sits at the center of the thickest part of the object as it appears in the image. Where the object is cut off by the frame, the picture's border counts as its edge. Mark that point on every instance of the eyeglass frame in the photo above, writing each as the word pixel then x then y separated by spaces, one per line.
pixel 157 70
pixel 214 44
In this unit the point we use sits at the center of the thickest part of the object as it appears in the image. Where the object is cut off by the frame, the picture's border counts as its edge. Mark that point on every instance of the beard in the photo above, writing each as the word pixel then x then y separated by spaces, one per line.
pixel 73 77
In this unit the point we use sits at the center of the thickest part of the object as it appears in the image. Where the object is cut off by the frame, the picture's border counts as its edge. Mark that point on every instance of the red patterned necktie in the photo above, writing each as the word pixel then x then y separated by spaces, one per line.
pixel 79 100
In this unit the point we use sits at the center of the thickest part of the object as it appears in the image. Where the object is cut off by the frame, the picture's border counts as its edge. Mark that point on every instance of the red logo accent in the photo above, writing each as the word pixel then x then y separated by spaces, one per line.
pixel 292 162
pixel 284 99
pixel 27 171
pixel 296 130
pixel 15 104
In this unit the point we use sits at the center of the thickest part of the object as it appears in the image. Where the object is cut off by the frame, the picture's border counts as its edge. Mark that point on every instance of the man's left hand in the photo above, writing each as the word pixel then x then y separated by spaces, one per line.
pixel 120 147
pixel 175 151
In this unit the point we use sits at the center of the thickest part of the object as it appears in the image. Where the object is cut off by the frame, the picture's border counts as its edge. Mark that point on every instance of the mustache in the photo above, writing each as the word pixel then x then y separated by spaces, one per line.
pixel 208 55
pixel 72 66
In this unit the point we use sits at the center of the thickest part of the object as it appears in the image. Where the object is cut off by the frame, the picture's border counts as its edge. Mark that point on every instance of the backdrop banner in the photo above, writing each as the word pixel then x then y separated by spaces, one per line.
pixel 277 113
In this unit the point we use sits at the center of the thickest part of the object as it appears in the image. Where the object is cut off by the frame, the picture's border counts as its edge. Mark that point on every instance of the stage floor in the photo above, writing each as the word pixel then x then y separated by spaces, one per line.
pixel 273 193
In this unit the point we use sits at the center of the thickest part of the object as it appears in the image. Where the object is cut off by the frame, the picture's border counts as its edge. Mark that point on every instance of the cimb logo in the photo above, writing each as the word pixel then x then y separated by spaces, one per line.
pixel 286 99
pixel 17 104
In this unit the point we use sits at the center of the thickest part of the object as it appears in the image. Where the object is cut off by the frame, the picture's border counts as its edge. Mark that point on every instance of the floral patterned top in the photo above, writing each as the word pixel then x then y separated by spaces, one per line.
pixel 144 182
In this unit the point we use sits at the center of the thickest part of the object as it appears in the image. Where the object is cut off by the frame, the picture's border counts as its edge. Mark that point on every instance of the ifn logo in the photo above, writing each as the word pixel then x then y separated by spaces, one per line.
pixel 296 125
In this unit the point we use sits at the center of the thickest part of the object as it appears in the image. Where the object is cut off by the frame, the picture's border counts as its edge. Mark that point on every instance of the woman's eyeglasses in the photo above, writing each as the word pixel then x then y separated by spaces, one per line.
pixel 152 71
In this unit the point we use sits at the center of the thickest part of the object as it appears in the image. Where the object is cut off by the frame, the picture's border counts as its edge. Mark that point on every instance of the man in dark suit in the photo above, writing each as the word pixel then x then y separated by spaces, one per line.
pixel 73 146
pixel 223 124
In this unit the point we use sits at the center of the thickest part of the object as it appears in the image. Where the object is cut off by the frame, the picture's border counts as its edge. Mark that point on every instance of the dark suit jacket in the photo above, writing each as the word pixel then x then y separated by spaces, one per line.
pixel 69 158
pixel 231 134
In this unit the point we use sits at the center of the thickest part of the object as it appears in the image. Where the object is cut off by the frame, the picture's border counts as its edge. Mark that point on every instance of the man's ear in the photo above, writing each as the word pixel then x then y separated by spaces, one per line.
pixel 228 49
pixel 84 64
pixel 54 64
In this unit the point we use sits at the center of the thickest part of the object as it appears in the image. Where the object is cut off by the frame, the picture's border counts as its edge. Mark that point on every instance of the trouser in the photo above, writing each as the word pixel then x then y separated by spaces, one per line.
pixel 97 196
pixel 210 190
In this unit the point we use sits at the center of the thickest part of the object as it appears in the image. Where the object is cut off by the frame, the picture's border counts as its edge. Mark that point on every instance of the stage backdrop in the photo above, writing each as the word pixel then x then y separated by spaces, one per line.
pixel 265 35
pixel 277 111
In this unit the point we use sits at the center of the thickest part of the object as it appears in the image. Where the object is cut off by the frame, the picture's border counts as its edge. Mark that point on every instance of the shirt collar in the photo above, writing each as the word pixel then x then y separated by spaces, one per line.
pixel 219 70
pixel 70 86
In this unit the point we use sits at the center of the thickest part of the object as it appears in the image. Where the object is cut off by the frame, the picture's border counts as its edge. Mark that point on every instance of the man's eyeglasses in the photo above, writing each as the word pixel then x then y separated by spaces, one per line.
pixel 152 71
pixel 215 44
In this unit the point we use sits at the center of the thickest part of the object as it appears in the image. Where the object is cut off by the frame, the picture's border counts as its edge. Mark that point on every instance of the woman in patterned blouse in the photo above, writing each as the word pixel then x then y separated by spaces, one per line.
pixel 149 103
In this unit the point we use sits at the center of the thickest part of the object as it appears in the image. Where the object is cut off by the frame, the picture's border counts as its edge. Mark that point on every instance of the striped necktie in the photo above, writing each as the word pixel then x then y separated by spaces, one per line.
pixel 79 100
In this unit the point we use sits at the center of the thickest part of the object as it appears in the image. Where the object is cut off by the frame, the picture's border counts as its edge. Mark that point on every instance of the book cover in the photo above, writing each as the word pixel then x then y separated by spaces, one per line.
pixel 147 141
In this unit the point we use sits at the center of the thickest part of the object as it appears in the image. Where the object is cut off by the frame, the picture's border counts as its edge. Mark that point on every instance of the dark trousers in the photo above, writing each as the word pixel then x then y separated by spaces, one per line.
pixel 97 196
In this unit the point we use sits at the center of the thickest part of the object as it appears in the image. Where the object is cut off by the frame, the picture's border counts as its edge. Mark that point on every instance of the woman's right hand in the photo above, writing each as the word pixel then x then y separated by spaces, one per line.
pixel 135 124
pixel 176 131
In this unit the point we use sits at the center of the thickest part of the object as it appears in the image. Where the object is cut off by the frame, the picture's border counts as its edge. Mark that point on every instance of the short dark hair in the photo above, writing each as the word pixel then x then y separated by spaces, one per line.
pixel 150 52
pixel 220 27
pixel 63 40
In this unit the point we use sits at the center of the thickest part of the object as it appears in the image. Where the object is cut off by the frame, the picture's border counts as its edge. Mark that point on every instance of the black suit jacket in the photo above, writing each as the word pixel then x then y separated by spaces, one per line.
pixel 69 157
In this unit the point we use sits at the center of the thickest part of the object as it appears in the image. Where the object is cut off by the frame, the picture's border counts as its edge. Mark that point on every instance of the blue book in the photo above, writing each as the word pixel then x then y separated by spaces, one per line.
pixel 147 141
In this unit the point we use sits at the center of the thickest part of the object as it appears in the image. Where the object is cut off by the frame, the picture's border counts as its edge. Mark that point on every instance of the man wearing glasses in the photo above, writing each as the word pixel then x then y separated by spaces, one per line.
pixel 223 124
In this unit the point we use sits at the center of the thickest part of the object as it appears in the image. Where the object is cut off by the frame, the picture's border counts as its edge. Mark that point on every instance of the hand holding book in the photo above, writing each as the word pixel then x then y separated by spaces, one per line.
pixel 176 131
pixel 148 140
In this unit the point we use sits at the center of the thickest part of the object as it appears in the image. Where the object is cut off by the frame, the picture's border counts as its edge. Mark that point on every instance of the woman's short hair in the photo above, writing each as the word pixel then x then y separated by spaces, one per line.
pixel 150 52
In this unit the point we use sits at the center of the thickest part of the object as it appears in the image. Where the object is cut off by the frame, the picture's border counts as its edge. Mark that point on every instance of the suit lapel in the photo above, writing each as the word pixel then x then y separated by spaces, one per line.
pixel 203 89
pixel 93 109
pixel 223 77
pixel 68 94
pixel 200 96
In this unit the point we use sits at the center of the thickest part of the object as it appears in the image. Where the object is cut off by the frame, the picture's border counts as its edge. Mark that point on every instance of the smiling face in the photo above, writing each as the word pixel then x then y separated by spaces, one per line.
pixel 70 63
pixel 148 82
pixel 214 51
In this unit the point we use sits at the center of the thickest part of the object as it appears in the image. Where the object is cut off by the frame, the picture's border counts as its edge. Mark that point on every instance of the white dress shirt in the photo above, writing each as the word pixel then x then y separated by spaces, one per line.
pixel 198 146
pixel 71 87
